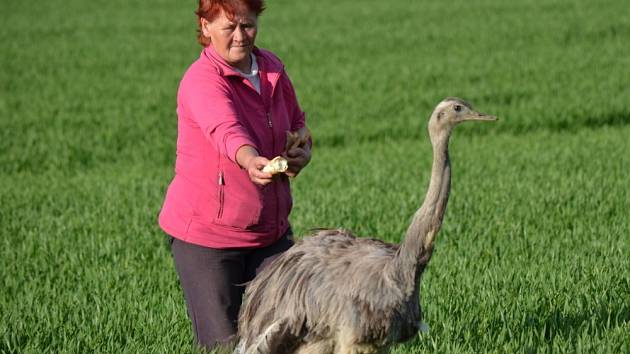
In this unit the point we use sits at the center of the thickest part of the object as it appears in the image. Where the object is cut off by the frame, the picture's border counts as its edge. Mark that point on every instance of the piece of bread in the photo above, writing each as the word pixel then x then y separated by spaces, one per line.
pixel 277 165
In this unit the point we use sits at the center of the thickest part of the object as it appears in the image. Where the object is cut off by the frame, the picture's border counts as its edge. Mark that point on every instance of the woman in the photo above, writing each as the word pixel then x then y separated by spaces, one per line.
pixel 227 218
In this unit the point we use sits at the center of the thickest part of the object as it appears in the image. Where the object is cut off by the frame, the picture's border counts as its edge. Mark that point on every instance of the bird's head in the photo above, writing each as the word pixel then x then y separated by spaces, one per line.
pixel 450 112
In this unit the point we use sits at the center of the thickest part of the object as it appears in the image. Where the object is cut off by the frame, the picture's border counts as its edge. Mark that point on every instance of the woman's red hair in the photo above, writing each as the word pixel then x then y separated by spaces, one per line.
pixel 210 9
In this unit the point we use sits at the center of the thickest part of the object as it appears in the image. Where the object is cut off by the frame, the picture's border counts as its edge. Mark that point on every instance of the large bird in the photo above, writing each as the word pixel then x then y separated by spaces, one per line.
pixel 337 293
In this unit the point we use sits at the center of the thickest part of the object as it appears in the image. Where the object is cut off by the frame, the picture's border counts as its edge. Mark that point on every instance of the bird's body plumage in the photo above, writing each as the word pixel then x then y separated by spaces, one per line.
pixel 324 275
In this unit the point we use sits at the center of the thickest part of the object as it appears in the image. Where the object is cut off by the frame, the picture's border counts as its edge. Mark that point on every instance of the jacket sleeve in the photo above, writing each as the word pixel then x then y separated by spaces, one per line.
pixel 210 105
pixel 298 117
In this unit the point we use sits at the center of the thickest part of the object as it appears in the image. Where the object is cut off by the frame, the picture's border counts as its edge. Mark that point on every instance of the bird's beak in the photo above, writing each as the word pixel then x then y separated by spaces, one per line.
pixel 479 116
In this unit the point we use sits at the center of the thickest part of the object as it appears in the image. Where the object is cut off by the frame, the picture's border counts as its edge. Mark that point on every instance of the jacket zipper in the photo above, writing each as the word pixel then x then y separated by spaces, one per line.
pixel 275 186
pixel 273 143
pixel 221 192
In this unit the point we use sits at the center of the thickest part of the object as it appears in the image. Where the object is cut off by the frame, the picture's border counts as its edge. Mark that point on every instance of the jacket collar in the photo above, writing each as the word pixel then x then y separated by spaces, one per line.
pixel 268 64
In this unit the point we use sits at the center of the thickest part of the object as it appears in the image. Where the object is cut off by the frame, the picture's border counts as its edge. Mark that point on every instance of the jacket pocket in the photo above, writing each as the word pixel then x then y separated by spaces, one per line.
pixel 235 208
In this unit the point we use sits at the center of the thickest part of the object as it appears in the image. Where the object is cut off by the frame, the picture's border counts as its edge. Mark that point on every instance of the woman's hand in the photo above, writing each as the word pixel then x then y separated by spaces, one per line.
pixel 247 157
pixel 254 167
pixel 297 158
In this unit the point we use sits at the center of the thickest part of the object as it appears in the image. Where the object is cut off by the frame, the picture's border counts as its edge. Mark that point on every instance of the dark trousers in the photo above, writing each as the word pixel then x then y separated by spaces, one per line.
pixel 213 283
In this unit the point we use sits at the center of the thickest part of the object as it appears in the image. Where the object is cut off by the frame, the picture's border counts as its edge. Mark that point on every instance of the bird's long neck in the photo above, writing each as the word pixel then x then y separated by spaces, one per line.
pixel 417 247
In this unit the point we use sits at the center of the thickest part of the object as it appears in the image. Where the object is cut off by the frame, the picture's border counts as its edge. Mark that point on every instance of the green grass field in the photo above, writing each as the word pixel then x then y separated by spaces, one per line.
pixel 534 254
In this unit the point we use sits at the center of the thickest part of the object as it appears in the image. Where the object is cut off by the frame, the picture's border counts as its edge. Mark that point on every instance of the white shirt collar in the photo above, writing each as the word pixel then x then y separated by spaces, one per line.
pixel 254 67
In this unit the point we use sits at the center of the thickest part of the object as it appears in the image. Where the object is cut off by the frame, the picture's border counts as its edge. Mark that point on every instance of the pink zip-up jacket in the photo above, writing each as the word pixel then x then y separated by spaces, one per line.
pixel 211 201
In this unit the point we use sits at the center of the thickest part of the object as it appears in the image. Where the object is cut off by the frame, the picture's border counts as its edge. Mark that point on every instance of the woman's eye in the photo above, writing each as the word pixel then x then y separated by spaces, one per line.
pixel 457 108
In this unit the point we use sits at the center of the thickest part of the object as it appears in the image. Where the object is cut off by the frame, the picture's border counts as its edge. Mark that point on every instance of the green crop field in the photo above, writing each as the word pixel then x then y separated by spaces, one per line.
pixel 534 253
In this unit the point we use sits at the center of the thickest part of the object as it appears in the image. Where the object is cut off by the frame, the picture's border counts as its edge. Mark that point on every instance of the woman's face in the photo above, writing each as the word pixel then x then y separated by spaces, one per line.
pixel 233 39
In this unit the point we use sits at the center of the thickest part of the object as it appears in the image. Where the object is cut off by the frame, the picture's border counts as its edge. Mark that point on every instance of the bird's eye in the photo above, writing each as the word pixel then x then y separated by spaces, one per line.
pixel 457 108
